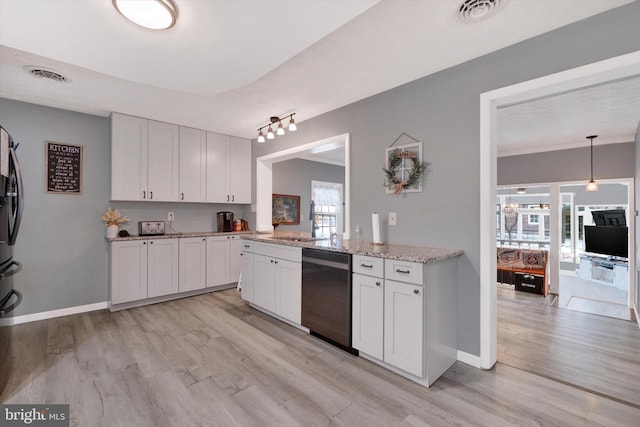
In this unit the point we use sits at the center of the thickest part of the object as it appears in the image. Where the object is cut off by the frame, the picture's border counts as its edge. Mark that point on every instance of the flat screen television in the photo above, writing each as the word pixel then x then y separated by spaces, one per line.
pixel 607 240
pixel 612 217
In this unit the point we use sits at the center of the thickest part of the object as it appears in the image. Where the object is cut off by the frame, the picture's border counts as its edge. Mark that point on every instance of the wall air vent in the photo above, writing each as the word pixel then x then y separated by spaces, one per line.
pixel 46 74
pixel 477 10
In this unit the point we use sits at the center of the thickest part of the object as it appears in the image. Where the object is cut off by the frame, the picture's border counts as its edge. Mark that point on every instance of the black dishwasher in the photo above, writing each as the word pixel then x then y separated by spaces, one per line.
pixel 326 296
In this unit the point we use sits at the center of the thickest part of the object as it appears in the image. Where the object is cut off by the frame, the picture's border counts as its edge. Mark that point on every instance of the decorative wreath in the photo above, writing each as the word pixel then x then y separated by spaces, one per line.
pixel 415 174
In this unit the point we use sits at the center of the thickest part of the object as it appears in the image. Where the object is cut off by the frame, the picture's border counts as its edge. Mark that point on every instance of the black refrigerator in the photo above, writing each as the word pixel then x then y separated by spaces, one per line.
pixel 11 205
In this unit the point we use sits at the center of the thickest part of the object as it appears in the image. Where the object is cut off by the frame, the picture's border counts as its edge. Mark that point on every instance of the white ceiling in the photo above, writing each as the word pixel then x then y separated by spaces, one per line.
pixel 229 65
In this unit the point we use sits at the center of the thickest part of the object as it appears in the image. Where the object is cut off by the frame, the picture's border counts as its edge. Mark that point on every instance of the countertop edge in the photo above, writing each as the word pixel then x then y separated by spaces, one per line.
pixel 419 254
pixel 179 235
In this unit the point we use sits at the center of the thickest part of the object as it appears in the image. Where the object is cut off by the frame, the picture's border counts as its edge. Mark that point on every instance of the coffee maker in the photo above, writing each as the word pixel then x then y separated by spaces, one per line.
pixel 225 221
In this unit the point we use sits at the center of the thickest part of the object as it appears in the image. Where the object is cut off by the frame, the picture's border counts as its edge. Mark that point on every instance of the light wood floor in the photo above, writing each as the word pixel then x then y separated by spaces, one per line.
pixel 212 360
pixel 600 354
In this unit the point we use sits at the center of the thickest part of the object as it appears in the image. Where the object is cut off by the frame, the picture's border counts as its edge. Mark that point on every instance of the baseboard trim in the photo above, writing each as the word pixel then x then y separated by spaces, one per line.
pixel 44 315
pixel 469 359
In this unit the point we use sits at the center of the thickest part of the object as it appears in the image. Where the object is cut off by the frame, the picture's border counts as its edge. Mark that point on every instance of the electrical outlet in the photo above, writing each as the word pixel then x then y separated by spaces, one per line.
pixel 393 219
pixel 170 216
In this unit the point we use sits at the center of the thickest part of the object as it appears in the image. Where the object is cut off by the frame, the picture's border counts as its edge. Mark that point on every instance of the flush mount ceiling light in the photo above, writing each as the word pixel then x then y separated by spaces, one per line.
pixel 152 14
pixel 279 129
pixel 45 74
pixel 477 10
pixel 592 185
pixel 521 190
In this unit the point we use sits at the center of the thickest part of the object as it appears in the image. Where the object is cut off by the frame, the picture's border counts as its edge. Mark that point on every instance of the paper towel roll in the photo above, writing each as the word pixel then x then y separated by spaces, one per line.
pixel 375 222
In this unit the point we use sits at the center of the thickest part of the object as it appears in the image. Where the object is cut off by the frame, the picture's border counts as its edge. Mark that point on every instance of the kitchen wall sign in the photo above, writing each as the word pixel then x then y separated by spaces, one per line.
pixel 404 168
pixel 63 168
pixel 285 209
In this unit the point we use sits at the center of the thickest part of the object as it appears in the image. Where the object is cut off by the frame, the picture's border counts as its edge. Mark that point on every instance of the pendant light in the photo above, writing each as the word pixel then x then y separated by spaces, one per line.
pixel 280 130
pixel 592 185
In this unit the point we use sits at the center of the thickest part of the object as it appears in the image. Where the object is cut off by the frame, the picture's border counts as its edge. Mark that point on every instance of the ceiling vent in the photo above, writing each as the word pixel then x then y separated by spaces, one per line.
pixel 477 10
pixel 46 74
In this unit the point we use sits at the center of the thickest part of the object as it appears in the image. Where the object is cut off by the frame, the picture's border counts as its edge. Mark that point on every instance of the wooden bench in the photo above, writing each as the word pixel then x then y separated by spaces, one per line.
pixel 524 268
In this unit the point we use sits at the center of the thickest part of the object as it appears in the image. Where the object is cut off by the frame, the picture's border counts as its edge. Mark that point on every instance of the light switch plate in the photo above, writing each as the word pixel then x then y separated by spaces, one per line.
pixel 393 219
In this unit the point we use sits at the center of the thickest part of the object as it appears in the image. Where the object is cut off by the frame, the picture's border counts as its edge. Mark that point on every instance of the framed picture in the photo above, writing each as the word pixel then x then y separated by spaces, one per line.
pixel 285 209
pixel 63 170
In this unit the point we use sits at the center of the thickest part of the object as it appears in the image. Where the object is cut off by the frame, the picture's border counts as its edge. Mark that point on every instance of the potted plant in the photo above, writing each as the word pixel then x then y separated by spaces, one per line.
pixel 112 218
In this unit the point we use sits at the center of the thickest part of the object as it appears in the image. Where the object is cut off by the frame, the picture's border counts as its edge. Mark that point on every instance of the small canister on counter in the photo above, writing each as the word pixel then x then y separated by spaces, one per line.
pixel 237 225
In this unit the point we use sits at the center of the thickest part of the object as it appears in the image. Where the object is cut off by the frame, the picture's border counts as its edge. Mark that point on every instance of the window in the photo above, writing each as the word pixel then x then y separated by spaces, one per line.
pixel 327 197
pixel 534 219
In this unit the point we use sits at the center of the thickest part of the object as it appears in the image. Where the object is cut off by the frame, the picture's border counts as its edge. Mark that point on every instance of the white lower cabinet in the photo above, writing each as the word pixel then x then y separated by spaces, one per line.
pixel 128 271
pixel 247 292
pixel 224 260
pixel 217 260
pixel 368 315
pixel 289 290
pixel 405 316
pixel 193 263
pixel 162 273
pixel 273 281
pixel 264 282
pixel 403 326
pixel 141 269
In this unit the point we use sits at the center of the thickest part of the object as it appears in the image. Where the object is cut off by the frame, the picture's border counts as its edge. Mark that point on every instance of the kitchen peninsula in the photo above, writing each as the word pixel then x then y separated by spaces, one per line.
pixel 403 313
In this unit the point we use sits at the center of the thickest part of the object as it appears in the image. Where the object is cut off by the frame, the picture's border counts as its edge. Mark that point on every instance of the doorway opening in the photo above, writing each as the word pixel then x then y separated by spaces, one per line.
pixel 621 67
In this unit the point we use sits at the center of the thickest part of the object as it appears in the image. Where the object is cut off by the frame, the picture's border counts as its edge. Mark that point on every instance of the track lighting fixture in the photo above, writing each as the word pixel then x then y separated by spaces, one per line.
pixel 279 128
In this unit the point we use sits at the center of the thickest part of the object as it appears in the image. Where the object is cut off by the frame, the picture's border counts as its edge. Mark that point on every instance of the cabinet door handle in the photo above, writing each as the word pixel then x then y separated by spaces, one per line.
pixel 144 194
pixel 275 262
pixel 402 271
pixel 151 243
pixel 227 197
pixel 366 265
pixel 416 291
pixel 241 254
pixel 233 197
pixel 377 283
pixel 181 196
pixel 150 195
pixel 271 261
pixel 144 243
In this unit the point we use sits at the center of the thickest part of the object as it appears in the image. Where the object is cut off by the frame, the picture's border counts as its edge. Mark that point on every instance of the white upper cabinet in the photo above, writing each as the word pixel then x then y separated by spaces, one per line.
pixel 193 165
pixel 228 169
pixel 163 160
pixel 217 186
pixel 240 170
pixel 129 138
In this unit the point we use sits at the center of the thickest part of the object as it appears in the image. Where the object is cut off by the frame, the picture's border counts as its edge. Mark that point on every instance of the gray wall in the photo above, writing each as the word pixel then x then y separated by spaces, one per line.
pixel 609 161
pixel 294 177
pixel 61 241
pixel 443 110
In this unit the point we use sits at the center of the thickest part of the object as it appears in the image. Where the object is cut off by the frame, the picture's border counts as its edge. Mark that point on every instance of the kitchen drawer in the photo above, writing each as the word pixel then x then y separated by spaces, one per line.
pixel 531 283
pixel 403 271
pixel 273 250
pixel 247 246
pixel 369 266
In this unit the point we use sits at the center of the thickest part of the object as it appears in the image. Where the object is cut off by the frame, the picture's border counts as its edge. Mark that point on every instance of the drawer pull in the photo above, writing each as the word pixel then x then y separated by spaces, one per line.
pixel 247 246
pixel 377 283
pixel 403 271
pixel 416 291
pixel 366 265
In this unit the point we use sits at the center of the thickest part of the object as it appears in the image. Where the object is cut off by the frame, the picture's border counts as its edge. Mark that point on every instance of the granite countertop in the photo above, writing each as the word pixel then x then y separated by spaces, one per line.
pixel 177 235
pixel 422 254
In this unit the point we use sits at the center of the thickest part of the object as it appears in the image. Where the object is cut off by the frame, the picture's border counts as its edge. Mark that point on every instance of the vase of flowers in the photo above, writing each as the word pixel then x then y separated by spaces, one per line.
pixel 112 218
